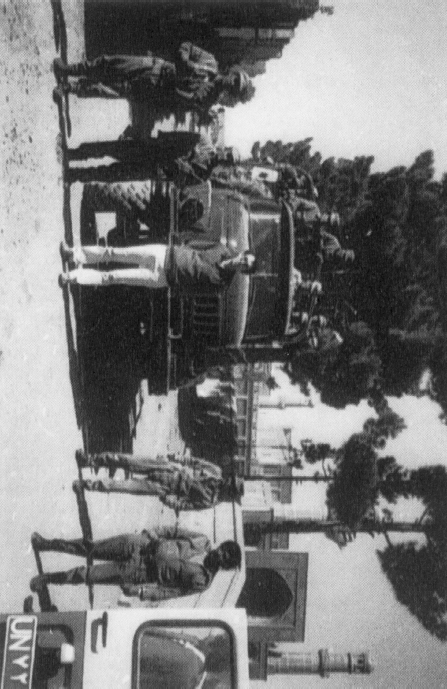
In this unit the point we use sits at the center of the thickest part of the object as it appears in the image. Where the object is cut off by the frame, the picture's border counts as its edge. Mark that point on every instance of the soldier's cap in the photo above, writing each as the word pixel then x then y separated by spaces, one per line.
pixel 243 82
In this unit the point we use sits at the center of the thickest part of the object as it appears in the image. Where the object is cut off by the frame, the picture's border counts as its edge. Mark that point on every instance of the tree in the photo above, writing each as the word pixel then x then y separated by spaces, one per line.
pixel 387 425
pixel 317 452
pixel 418 576
pixel 354 490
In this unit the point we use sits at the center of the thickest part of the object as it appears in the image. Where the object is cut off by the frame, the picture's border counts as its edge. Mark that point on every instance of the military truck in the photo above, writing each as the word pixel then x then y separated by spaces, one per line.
pixel 175 337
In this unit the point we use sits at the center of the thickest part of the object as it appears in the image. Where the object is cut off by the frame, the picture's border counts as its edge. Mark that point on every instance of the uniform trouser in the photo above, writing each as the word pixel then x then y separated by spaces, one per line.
pixel 144 464
pixel 109 69
pixel 150 258
pixel 141 464
pixel 124 555
pixel 133 486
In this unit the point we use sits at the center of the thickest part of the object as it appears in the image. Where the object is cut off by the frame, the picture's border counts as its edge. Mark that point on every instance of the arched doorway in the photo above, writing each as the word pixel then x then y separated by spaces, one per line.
pixel 265 594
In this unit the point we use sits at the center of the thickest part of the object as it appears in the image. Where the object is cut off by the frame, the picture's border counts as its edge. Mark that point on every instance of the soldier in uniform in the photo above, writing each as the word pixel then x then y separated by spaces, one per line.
pixel 196 485
pixel 159 266
pixel 191 82
pixel 156 564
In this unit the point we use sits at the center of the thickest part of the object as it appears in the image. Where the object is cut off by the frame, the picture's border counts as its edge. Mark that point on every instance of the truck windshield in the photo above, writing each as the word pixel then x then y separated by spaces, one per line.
pixel 169 656
pixel 228 220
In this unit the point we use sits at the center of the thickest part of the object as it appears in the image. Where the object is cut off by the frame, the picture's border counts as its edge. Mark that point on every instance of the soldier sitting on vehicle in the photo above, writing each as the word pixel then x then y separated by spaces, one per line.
pixel 314 243
pixel 295 183
pixel 302 289
pixel 199 165
pixel 321 336
pixel 191 83
pixel 159 266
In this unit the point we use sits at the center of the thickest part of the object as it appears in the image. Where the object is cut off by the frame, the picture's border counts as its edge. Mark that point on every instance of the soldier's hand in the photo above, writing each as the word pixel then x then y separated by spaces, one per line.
pixel 130 590
pixel 316 287
pixel 349 256
pixel 170 501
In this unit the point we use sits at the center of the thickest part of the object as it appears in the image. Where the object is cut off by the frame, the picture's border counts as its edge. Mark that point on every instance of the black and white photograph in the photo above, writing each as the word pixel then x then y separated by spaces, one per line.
pixel 223 344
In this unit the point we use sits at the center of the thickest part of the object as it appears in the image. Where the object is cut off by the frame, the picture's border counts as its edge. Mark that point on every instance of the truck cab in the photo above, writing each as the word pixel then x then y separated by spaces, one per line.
pixel 128 648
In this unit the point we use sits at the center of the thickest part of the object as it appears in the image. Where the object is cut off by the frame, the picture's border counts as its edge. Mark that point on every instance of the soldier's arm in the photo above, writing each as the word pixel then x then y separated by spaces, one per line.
pixel 189 55
pixel 154 592
pixel 131 589
pixel 172 532
pixel 178 504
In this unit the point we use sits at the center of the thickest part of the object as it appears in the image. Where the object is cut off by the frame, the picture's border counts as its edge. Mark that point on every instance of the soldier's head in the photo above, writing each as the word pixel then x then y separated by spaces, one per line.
pixel 227 555
pixel 238 85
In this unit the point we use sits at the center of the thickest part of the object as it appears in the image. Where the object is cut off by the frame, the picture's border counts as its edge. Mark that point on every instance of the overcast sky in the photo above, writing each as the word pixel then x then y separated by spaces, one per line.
pixel 370 79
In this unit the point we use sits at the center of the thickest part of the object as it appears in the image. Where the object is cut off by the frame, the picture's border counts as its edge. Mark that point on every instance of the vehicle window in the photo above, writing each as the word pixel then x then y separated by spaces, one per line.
pixel 228 221
pixel 186 656
pixel 262 314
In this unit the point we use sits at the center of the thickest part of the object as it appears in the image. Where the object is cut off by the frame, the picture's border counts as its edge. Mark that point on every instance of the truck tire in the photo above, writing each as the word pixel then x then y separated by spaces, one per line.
pixel 132 202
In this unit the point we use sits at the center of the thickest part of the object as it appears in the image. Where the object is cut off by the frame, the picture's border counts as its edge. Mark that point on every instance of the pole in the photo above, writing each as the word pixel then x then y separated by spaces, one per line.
pixel 299 479
pixel 370 526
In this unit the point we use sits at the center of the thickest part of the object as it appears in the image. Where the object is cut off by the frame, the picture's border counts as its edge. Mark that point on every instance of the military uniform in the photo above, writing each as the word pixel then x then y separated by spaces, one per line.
pixel 159 266
pixel 189 81
pixel 170 558
pixel 193 487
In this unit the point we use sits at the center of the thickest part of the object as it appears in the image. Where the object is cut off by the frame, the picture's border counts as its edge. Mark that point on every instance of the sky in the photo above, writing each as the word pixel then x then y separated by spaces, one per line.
pixel 350 603
pixel 368 80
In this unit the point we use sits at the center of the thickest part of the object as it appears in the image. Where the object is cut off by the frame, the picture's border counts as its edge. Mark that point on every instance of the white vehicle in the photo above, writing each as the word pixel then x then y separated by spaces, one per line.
pixel 126 649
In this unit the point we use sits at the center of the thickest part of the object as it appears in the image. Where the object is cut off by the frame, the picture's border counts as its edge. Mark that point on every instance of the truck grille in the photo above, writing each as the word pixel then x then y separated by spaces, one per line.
pixel 206 318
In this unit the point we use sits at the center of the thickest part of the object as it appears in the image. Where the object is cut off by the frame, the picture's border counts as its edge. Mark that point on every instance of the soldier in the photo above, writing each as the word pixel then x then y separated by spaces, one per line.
pixel 159 266
pixel 156 564
pixel 191 82
pixel 295 183
pixel 196 486
pixel 330 246
pixel 314 238
pixel 321 336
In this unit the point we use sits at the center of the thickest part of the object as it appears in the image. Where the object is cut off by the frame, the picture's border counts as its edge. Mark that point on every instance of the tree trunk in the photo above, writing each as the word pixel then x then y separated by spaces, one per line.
pixel 320 526
pixel 298 479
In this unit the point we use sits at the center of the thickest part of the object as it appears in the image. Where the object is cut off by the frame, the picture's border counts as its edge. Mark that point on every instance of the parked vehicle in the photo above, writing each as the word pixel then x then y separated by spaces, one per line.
pixel 126 648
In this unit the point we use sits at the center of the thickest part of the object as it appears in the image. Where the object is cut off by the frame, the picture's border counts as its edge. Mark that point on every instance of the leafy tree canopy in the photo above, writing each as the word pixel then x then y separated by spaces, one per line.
pixel 396 222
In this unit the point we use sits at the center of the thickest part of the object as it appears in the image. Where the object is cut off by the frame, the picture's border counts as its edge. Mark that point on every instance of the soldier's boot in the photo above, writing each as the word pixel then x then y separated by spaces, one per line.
pixel 62 70
pixel 87 484
pixel 83 460
pixel 58 544
pixel 40 581
pixel 66 252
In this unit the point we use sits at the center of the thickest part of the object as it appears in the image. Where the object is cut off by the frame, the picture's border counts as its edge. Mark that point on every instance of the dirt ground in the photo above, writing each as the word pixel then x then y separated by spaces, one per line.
pixel 38 426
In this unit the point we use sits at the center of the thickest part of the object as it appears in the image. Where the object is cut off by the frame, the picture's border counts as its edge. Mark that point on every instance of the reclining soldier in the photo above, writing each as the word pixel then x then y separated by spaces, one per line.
pixel 159 266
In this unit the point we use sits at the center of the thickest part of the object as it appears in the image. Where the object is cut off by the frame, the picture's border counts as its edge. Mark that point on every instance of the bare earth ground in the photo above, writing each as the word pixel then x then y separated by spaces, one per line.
pixel 38 429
